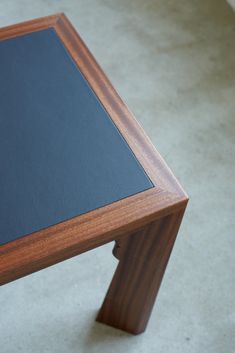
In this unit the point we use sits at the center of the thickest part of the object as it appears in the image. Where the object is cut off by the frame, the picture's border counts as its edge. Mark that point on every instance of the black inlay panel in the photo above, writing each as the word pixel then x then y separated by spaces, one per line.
pixel 60 153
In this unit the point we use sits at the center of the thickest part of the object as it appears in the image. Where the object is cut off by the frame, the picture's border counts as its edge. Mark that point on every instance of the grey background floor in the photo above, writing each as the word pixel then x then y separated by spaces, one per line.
pixel 173 62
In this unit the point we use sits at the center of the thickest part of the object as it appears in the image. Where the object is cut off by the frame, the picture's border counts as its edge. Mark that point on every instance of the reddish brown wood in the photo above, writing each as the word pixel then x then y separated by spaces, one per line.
pixel 143 257
pixel 156 212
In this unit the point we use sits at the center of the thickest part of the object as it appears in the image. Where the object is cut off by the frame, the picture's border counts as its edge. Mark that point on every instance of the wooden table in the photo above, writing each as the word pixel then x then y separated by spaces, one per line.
pixel 77 171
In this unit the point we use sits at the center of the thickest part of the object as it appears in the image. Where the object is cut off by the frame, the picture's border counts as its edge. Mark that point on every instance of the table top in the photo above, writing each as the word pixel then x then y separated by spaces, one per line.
pixel 61 155
pixel 77 170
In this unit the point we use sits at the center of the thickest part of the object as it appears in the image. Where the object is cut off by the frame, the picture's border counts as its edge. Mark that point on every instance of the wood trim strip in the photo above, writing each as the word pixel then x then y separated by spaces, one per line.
pixel 29 26
pixel 146 153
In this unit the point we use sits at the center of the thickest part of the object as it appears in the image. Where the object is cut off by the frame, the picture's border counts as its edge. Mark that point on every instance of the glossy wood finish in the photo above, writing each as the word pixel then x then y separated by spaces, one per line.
pixel 148 219
pixel 143 257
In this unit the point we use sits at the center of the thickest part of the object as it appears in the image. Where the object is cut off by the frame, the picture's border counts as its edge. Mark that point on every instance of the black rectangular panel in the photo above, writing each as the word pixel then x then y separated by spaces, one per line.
pixel 60 153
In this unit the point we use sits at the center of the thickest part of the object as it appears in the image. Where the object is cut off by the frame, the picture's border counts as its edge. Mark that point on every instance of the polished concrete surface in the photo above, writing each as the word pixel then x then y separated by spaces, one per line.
pixel 173 62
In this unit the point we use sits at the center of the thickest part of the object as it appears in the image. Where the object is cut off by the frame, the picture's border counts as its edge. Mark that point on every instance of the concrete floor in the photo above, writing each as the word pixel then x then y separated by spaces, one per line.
pixel 232 3
pixel 174 64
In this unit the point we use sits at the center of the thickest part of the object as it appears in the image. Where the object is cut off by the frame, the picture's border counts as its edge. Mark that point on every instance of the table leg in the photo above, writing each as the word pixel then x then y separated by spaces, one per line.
pixel 143 257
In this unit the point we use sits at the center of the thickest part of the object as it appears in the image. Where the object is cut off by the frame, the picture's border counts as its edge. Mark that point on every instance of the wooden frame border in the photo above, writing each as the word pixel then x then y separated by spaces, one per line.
pixel 62 241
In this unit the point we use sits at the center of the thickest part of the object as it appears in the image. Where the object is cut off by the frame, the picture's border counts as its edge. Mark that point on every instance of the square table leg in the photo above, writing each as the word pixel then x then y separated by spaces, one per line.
pixel 143 257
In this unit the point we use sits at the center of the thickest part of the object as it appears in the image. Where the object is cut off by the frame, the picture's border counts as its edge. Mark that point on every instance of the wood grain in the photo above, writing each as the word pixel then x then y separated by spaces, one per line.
pixel 143 257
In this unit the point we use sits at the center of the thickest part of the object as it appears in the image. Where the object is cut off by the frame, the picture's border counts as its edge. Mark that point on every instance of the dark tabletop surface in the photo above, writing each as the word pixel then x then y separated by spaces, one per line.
pixel 60 153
